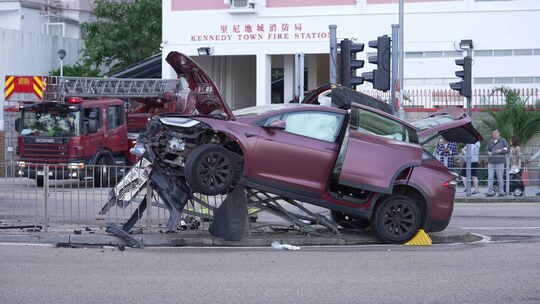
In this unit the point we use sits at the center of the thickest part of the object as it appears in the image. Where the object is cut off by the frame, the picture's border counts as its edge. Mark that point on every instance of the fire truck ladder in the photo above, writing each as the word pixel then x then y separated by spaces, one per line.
pixel 58 88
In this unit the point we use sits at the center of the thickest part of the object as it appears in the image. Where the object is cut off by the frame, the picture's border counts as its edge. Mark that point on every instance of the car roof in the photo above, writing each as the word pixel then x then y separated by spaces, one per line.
pixel 278 108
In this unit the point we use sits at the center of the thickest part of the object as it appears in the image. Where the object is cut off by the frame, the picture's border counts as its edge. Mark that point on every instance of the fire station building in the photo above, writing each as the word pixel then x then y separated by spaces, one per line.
pixel 248 46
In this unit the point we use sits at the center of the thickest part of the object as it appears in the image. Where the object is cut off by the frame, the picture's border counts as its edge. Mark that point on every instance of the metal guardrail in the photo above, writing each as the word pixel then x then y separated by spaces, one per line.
pixel 34 198
pixel 482 100
pixel 40 200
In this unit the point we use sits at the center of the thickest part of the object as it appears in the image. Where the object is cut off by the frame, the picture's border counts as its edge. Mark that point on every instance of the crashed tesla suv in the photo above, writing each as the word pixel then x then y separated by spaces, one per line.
pixel 365 165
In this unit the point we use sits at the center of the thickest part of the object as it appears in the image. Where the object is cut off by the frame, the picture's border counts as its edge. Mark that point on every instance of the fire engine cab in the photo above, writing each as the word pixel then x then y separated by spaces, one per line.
pixel 82 127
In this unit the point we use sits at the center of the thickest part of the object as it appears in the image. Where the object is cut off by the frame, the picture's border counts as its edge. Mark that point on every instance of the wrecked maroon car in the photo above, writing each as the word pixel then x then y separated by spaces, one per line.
pixel 352 157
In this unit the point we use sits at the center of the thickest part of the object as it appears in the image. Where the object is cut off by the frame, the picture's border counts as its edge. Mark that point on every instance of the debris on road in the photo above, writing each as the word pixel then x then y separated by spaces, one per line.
pixel 279 246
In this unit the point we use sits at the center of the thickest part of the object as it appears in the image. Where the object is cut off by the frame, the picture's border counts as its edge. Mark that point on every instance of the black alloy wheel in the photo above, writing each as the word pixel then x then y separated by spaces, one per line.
pixel 397 219
pixel 210 169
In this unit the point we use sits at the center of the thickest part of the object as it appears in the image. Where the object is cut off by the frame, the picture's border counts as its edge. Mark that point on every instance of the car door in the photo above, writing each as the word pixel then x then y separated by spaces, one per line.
pixel 377 150
pixel 93 139
pixel 301 156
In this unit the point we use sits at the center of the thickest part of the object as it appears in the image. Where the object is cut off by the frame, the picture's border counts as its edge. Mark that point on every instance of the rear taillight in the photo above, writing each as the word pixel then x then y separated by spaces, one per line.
pixel 450 184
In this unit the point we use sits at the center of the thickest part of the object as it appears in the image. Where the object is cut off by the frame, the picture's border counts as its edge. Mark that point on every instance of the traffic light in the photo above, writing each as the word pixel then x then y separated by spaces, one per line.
pixel 464 87
pixel 349 63
pixel 381 76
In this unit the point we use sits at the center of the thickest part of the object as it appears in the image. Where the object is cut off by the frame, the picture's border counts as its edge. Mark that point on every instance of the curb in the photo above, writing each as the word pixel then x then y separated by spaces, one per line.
pixel 204 239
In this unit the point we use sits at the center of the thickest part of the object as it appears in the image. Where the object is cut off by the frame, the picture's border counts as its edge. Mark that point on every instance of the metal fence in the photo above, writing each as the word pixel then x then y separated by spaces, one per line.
pixel 517 182
pixel 35 198
pixel 482 100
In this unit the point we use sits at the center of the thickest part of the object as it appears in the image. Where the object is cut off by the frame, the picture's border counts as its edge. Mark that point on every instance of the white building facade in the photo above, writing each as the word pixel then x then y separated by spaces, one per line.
pixel 253 42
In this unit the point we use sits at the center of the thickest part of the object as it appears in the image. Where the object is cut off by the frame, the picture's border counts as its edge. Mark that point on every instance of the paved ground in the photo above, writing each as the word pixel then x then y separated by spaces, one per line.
pixel 504 270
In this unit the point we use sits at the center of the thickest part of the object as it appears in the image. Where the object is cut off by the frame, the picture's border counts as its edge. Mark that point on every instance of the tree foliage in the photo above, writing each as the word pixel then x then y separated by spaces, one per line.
pixel 76 69
pixel 514 119
pixel 125 32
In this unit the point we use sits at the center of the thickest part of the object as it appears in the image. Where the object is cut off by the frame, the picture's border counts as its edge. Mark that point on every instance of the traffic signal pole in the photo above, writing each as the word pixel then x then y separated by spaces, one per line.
pixel 469 148
pixel 394 86
pixel 464 87
pixel 333 53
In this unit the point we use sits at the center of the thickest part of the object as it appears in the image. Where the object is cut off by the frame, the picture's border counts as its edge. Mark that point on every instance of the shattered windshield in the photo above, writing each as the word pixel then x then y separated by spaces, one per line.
pixel 50 123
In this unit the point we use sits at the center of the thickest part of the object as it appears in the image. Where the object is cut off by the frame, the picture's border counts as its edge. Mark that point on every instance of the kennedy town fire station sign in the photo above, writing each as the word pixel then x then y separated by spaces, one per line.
pixel 259 32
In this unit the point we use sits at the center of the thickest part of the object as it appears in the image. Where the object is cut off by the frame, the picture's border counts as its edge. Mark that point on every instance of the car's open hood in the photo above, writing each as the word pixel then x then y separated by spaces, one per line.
pixel 451 123
pixel 204 97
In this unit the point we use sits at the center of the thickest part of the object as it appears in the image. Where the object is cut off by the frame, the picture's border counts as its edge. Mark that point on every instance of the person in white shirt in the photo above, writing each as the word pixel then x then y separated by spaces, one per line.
pixel 535 156
pixel 475 159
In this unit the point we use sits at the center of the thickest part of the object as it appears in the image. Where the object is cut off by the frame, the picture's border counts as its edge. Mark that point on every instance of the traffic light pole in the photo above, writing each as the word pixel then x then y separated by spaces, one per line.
pixel 394 85
pixel 469 148
pixel 333 53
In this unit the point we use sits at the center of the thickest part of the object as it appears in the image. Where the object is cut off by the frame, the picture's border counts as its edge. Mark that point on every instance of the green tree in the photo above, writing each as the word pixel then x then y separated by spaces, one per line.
pixel 77 69
pixel 515 119
pixel 125 32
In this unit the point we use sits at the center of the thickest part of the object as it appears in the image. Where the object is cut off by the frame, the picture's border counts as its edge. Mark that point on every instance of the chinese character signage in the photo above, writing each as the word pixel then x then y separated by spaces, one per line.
pixel 260 32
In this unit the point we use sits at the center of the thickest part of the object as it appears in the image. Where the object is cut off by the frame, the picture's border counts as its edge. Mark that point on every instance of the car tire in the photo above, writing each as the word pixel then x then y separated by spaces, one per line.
pixel 397 219
pixel 40 181
pixel 211 170
pixel 349 221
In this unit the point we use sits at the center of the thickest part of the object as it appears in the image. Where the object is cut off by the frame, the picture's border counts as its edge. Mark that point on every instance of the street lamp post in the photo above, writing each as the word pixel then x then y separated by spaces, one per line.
pixel 61 54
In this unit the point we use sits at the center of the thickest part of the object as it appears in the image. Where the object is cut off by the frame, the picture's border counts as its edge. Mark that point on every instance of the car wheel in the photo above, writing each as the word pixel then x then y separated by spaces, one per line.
pixel 518 192
pixel 349 221
pixel 39 181
pixel 211 169
pixel 397 219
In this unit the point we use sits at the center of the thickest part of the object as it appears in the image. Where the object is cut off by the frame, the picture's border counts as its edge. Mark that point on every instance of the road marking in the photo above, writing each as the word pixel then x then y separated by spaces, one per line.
pixel 501 228
pixel 26 244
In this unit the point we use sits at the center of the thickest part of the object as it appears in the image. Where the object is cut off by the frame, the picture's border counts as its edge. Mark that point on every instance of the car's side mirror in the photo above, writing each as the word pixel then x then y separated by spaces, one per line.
pixel 276 125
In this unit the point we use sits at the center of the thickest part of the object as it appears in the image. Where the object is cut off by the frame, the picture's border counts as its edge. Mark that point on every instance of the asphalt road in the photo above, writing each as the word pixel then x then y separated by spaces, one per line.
pixel 505 269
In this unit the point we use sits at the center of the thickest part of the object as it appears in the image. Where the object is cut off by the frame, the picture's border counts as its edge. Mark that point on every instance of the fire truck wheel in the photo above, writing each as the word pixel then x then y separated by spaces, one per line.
pixel 39 181
pixel 104 173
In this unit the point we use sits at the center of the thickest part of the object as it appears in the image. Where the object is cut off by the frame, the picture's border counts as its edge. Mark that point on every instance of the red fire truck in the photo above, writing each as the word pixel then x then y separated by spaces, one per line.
pixel 81 127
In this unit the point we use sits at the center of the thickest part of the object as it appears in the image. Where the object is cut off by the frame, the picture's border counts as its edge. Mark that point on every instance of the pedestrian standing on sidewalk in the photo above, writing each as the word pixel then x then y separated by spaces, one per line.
pixel 497 149
pixel 537 156
pixel 445 153
pixel 475 159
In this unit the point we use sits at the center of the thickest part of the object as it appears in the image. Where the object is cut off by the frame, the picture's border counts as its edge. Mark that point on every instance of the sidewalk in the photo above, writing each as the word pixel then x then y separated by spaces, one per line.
pixel 528 196
pixel 202 238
